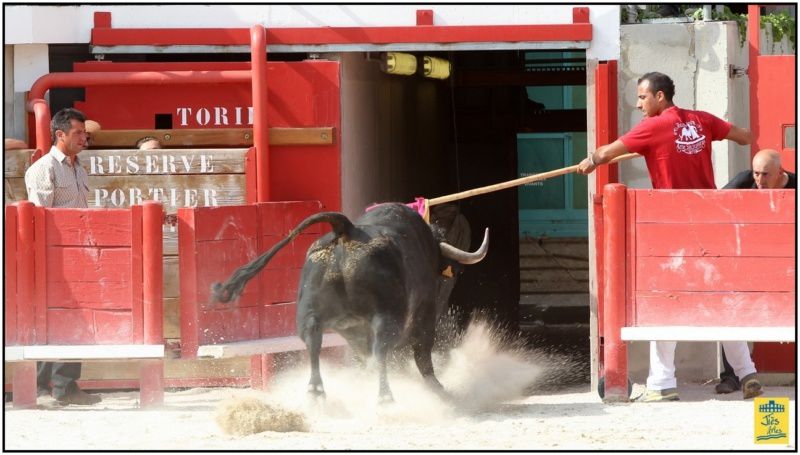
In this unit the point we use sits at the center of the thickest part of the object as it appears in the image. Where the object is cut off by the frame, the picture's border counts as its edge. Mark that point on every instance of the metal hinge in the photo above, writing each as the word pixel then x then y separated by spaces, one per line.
pixel 736 71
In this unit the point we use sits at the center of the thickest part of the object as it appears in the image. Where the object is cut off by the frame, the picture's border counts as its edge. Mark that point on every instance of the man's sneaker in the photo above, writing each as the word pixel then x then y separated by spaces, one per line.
pixel 650 396
pixel 79 397
pixel 751 386
pixel 727 385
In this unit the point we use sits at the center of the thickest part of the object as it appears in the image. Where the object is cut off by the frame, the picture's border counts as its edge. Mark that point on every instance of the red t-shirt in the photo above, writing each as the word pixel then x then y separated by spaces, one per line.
pixel 677 147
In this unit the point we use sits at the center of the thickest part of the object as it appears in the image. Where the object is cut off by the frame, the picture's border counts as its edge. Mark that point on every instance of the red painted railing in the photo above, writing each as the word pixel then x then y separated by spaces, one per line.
pixel 694 258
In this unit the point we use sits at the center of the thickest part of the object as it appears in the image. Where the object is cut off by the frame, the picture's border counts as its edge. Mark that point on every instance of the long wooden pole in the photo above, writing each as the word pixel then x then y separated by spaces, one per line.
pixel 518 182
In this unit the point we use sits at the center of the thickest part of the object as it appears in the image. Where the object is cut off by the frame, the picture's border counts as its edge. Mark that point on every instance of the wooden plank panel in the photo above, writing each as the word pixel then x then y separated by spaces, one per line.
pixel 277 320
pixel 172 319
pixel 172 279
pixel 70 326
pixel 279 285
pixel 716 239
pixel 170 236
pixel 16 162
pixel 15 190
pixel 279 218
pixel 220 137
pixel 88 227
pixel 748 309
pixel 106 294
pixel 141 163
pixel 88 264
pixel 743 274
pixel 174 191
pixel 225 326
pixel 219 260
pixel 221 223
pixel 113 327
pixel 712 206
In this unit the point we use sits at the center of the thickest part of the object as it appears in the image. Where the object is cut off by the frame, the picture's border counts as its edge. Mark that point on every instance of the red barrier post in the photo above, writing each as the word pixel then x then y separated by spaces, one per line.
pixel 151 382
pixel 615 352
pixel 261 370
pixel 11 274
pixel 23 382
pixel 258 66
pixel 597 215
pixel 23 385
pixel 26 313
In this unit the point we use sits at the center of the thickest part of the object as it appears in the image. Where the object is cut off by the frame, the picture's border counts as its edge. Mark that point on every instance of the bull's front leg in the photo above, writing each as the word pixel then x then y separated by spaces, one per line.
pixel 312 336
pixel 384 334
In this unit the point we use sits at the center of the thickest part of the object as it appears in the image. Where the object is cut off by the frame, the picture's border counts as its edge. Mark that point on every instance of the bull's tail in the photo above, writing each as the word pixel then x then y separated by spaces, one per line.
pixel 232 288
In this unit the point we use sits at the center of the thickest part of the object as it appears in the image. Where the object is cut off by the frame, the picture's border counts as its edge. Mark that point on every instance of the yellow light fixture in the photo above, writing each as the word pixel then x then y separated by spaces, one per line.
pixel 399 63
pixel 436 68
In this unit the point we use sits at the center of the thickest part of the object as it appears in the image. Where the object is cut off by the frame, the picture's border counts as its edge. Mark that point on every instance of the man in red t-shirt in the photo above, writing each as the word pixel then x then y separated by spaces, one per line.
pixel 676 145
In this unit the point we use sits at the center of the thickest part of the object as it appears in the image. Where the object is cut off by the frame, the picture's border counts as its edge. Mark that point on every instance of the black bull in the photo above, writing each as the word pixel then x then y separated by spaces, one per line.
pixel 374 282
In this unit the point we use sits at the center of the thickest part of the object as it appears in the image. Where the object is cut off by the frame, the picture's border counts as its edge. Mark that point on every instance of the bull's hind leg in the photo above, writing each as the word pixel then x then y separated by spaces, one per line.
pixel 384 335
pixel 312 336
pixel 422 344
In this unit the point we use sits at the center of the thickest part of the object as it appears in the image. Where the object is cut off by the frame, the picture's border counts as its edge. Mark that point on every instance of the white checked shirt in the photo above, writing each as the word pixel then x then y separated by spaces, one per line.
pixel 52 182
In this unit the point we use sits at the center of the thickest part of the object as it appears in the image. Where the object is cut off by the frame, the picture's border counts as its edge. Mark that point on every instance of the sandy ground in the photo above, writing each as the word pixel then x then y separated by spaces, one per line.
pixel 489 410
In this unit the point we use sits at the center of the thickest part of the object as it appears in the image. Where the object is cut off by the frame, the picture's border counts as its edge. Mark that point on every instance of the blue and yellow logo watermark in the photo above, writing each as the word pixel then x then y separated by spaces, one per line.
pixel 771 417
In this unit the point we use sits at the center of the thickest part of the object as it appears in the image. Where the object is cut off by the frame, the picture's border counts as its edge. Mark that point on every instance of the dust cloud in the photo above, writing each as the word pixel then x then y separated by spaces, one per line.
pixel 482 370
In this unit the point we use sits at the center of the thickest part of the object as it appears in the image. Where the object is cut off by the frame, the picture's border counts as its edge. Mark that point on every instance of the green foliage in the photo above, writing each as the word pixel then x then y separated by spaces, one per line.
pixel 727 15
pixel 783 23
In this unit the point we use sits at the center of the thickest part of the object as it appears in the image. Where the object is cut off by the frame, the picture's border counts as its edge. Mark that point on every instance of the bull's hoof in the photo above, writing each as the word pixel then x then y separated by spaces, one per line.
pixel 316 391
pixel 385 398
pixel 444 395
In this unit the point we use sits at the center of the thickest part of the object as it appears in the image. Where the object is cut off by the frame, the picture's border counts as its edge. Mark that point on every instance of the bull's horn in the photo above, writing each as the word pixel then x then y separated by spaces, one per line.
pixel 465 257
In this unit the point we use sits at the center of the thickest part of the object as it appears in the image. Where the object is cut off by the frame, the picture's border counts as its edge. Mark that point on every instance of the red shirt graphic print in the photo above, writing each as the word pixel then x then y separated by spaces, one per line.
pixel 676 146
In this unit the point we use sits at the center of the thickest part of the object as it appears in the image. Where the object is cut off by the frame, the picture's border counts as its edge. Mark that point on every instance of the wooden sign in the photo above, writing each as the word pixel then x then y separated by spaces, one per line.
pixel 176 178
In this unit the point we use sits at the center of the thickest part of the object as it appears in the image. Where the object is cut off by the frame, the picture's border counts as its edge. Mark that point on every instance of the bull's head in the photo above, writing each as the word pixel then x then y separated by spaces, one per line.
pixel 465 257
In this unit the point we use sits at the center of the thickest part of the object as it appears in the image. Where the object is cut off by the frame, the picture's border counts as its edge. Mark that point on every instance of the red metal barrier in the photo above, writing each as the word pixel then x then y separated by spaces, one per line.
pixel 615 356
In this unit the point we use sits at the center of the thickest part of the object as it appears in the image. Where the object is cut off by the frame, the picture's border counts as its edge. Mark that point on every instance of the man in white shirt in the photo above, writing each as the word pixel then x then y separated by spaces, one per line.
pixel 58 180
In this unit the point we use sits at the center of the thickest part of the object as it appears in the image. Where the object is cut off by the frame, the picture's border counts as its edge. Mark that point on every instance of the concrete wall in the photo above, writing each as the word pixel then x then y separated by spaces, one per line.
pixel 697 57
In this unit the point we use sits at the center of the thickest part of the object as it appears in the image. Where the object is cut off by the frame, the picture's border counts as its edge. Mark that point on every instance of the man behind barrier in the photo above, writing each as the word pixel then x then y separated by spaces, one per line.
pixel 58 180
pixel 676 145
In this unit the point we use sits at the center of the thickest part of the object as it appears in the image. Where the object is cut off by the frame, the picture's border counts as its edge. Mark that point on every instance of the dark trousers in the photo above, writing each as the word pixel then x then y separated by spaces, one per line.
pixel 727 373
pixel 62 375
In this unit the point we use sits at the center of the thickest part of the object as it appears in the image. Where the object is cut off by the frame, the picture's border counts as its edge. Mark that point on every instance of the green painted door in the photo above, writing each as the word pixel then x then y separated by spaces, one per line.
pixel 556 207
